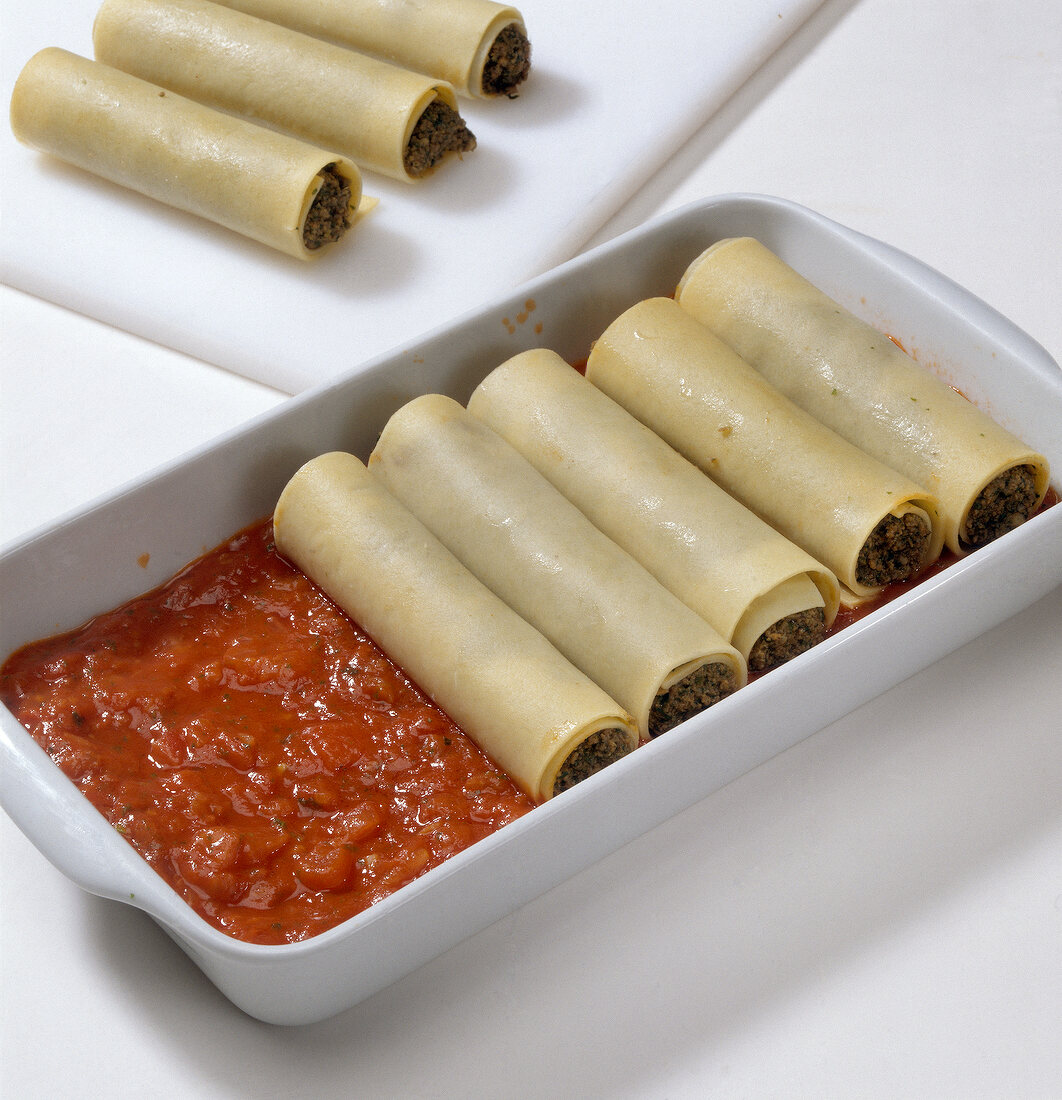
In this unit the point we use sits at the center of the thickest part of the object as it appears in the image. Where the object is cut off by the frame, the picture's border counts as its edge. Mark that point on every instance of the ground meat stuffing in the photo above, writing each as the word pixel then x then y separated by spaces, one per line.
pixel 1005 502
pixel 897 549
pixel 692 694
pixel 508 62
pixel 439 130
pixel 329 215
pixel 598 751
pixel 783 640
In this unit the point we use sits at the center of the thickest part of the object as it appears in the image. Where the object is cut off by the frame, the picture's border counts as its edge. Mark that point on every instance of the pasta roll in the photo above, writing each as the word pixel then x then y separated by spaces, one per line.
pixel 867 523
pixel 384 118
pixel 270 187
pixel 856 380
pixel 764 594
pixel 478 46
pixel 658 659
pixel 536 715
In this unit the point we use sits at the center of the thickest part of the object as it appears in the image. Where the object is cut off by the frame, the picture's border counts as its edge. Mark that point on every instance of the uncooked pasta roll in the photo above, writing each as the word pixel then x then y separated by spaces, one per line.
pixel 384 118
pixel 867 523
pixel 606 613
pixel 497 677
pixel 764 594
pixel 856 380
pixel 478 46
pixel 273 188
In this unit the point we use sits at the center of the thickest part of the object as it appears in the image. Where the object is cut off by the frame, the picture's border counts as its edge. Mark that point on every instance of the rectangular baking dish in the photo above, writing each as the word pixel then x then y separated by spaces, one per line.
pixel 92 560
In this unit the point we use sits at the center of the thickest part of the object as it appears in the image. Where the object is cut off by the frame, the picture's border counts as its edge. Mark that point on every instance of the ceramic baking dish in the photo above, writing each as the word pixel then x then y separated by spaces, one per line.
pixel 56 578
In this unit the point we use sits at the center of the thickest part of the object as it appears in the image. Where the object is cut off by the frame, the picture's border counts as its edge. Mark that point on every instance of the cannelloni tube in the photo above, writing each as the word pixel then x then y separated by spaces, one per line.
pixel 867 523
pixel 479 47
pixel 854 379
pixel 607 614
pixel 384 118
pixel 497 677
pixel 764 594
pixel 271 187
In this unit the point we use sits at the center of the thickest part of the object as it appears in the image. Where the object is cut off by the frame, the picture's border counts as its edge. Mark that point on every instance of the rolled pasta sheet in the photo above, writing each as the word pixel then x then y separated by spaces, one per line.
pixel 658 659
pixel 853 378
pixel 478 46
pixel 867 523
pixel 763 593
pixel 271 187
pixel 384 118
pixel 536 715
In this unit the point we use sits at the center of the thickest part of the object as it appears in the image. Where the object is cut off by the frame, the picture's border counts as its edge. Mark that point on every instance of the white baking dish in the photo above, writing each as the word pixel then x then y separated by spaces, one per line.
pixel 91 561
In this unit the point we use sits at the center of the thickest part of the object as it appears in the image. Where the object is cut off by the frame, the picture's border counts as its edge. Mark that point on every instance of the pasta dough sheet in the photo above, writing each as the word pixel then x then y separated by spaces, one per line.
pixel 333 97
pixel 545 559
pixel 736 571
pixel 820 491
pixel 451 40
pixel 278 190
pixel 858 382
pixel 497 677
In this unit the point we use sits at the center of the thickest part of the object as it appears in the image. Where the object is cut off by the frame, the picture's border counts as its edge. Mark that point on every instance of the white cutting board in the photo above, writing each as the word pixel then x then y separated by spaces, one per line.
pixel 615 90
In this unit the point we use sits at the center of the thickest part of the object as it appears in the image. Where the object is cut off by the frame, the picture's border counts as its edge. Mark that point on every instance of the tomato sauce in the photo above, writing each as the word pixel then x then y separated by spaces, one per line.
pixel 255 747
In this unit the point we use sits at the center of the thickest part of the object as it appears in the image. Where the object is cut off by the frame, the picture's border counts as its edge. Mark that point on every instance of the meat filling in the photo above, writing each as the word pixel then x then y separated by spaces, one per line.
pixel 329 214
pixel 598 751
pixel 1005 502
pixel 897 549
pixel 783 640
pixel 439 130
pixel 693 693
pixel 508 62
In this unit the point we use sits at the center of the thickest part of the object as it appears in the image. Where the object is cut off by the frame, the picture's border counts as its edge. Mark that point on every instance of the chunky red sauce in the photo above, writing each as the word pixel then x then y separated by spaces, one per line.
pixel 255 747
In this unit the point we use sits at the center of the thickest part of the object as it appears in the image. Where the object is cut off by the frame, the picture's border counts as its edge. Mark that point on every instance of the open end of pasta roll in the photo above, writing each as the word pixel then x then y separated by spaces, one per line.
pixel 330 205
pixel 1005 501
pixel 595 750
pixel 901 545
pixel 782 623
pixel 503 60
pixel 693 688
pixel 435 131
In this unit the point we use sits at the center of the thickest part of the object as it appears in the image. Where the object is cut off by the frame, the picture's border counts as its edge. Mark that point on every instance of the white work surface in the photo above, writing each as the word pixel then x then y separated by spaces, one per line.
pixel 875 913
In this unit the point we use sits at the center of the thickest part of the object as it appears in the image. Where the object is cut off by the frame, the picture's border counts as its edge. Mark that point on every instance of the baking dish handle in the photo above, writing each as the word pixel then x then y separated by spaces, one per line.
pixel 83 847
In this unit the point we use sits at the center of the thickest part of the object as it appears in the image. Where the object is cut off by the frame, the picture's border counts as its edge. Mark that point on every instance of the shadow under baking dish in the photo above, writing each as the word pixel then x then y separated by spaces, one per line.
pixel 89 562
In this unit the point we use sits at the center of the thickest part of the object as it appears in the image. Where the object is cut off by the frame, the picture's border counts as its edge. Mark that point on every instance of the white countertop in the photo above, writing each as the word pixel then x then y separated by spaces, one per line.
pixel 875 913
